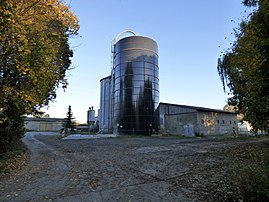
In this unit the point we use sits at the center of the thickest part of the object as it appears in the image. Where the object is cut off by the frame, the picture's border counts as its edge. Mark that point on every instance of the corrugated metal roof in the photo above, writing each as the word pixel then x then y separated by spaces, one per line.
pixel 198 108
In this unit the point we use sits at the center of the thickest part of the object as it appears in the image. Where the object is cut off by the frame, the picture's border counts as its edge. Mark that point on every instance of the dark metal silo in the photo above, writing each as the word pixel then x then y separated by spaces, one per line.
pixel 135 85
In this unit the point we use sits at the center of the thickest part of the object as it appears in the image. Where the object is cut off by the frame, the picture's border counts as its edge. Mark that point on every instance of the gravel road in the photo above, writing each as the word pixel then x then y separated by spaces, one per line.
pixel 113 169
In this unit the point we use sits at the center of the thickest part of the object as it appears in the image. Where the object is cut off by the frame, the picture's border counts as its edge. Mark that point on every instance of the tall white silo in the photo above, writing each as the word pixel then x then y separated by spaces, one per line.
pixel 105 122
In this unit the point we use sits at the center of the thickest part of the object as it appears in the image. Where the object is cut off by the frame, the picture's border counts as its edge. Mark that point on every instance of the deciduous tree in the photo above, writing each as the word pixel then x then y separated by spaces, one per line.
pixel 34 55
pixel 245 69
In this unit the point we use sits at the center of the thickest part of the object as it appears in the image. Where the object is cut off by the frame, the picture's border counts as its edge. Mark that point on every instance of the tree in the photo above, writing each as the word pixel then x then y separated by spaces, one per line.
pixel 34 57
pixel 70 119
pixel 40 114
pixel 229 108
pixel 245 69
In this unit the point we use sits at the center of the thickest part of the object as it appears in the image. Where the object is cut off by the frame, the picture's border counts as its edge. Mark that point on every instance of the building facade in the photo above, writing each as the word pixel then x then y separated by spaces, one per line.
pixel 190 120
pixel 44 124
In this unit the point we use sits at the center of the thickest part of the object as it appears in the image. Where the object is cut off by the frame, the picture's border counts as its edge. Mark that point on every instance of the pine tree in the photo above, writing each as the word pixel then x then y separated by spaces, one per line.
pixel 70 123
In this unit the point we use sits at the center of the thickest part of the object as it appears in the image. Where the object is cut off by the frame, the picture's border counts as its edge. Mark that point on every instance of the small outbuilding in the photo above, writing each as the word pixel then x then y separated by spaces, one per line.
pixel 190 120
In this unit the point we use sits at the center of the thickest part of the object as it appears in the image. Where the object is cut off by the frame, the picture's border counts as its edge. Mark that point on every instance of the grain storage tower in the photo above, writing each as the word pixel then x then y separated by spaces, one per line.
pixel 135 85
pixel 130 95
pixel 105 115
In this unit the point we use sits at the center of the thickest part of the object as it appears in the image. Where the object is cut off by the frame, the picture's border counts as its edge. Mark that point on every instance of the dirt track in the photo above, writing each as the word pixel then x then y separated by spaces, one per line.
pixel 114 169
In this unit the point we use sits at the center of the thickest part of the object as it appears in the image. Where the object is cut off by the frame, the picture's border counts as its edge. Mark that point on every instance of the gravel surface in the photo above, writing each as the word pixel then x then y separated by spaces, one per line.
pixel 117 169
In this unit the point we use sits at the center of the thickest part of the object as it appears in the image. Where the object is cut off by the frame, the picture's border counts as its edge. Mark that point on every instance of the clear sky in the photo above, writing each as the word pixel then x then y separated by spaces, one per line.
pixel 190 36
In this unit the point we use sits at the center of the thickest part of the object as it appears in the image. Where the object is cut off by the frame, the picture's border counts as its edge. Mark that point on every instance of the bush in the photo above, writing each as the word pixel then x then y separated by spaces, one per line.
pixel 10 134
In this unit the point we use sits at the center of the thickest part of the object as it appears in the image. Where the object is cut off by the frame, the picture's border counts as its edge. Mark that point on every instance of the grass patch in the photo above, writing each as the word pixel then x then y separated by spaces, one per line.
pixel 245 182
pixel 253 182
pixel 241 137
pixel 245 177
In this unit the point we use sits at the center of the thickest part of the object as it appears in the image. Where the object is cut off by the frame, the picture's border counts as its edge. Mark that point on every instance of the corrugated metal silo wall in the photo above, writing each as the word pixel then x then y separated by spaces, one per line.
pixel 105 105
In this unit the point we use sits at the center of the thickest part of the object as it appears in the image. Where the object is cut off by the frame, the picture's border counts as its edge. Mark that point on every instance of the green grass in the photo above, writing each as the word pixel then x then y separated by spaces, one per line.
pixel 248 181
pixel 244 177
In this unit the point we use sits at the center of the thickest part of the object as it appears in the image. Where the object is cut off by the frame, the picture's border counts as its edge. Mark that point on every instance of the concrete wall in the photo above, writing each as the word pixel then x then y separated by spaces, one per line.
pixel 43 124
pixel 165 110
pixel 188 120
pixel 181 124
pixel 213 123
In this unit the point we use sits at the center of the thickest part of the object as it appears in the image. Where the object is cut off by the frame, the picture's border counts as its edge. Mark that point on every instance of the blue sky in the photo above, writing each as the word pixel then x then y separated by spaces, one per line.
pixel 190 35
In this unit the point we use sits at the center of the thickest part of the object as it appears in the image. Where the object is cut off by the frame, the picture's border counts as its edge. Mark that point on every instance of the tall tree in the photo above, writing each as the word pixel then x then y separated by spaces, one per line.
pixel 245 69
pixel 34 56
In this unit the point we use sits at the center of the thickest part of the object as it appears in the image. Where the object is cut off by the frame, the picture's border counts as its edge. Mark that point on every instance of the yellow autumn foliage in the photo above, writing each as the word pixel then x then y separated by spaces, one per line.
pixel 34 51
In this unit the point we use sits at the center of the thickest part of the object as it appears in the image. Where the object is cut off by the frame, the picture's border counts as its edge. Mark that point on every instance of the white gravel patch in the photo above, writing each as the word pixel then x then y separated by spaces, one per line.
pixel 80 137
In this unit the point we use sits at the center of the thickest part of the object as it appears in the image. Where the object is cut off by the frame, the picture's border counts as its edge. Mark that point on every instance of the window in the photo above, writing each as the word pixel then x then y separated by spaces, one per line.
pixel 230 122
pixel 223 121
pixel 202 121
pixel 218 121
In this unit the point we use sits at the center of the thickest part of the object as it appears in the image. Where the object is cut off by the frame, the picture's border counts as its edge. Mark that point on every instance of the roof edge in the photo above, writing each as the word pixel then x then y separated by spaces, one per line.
pixel 198 108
